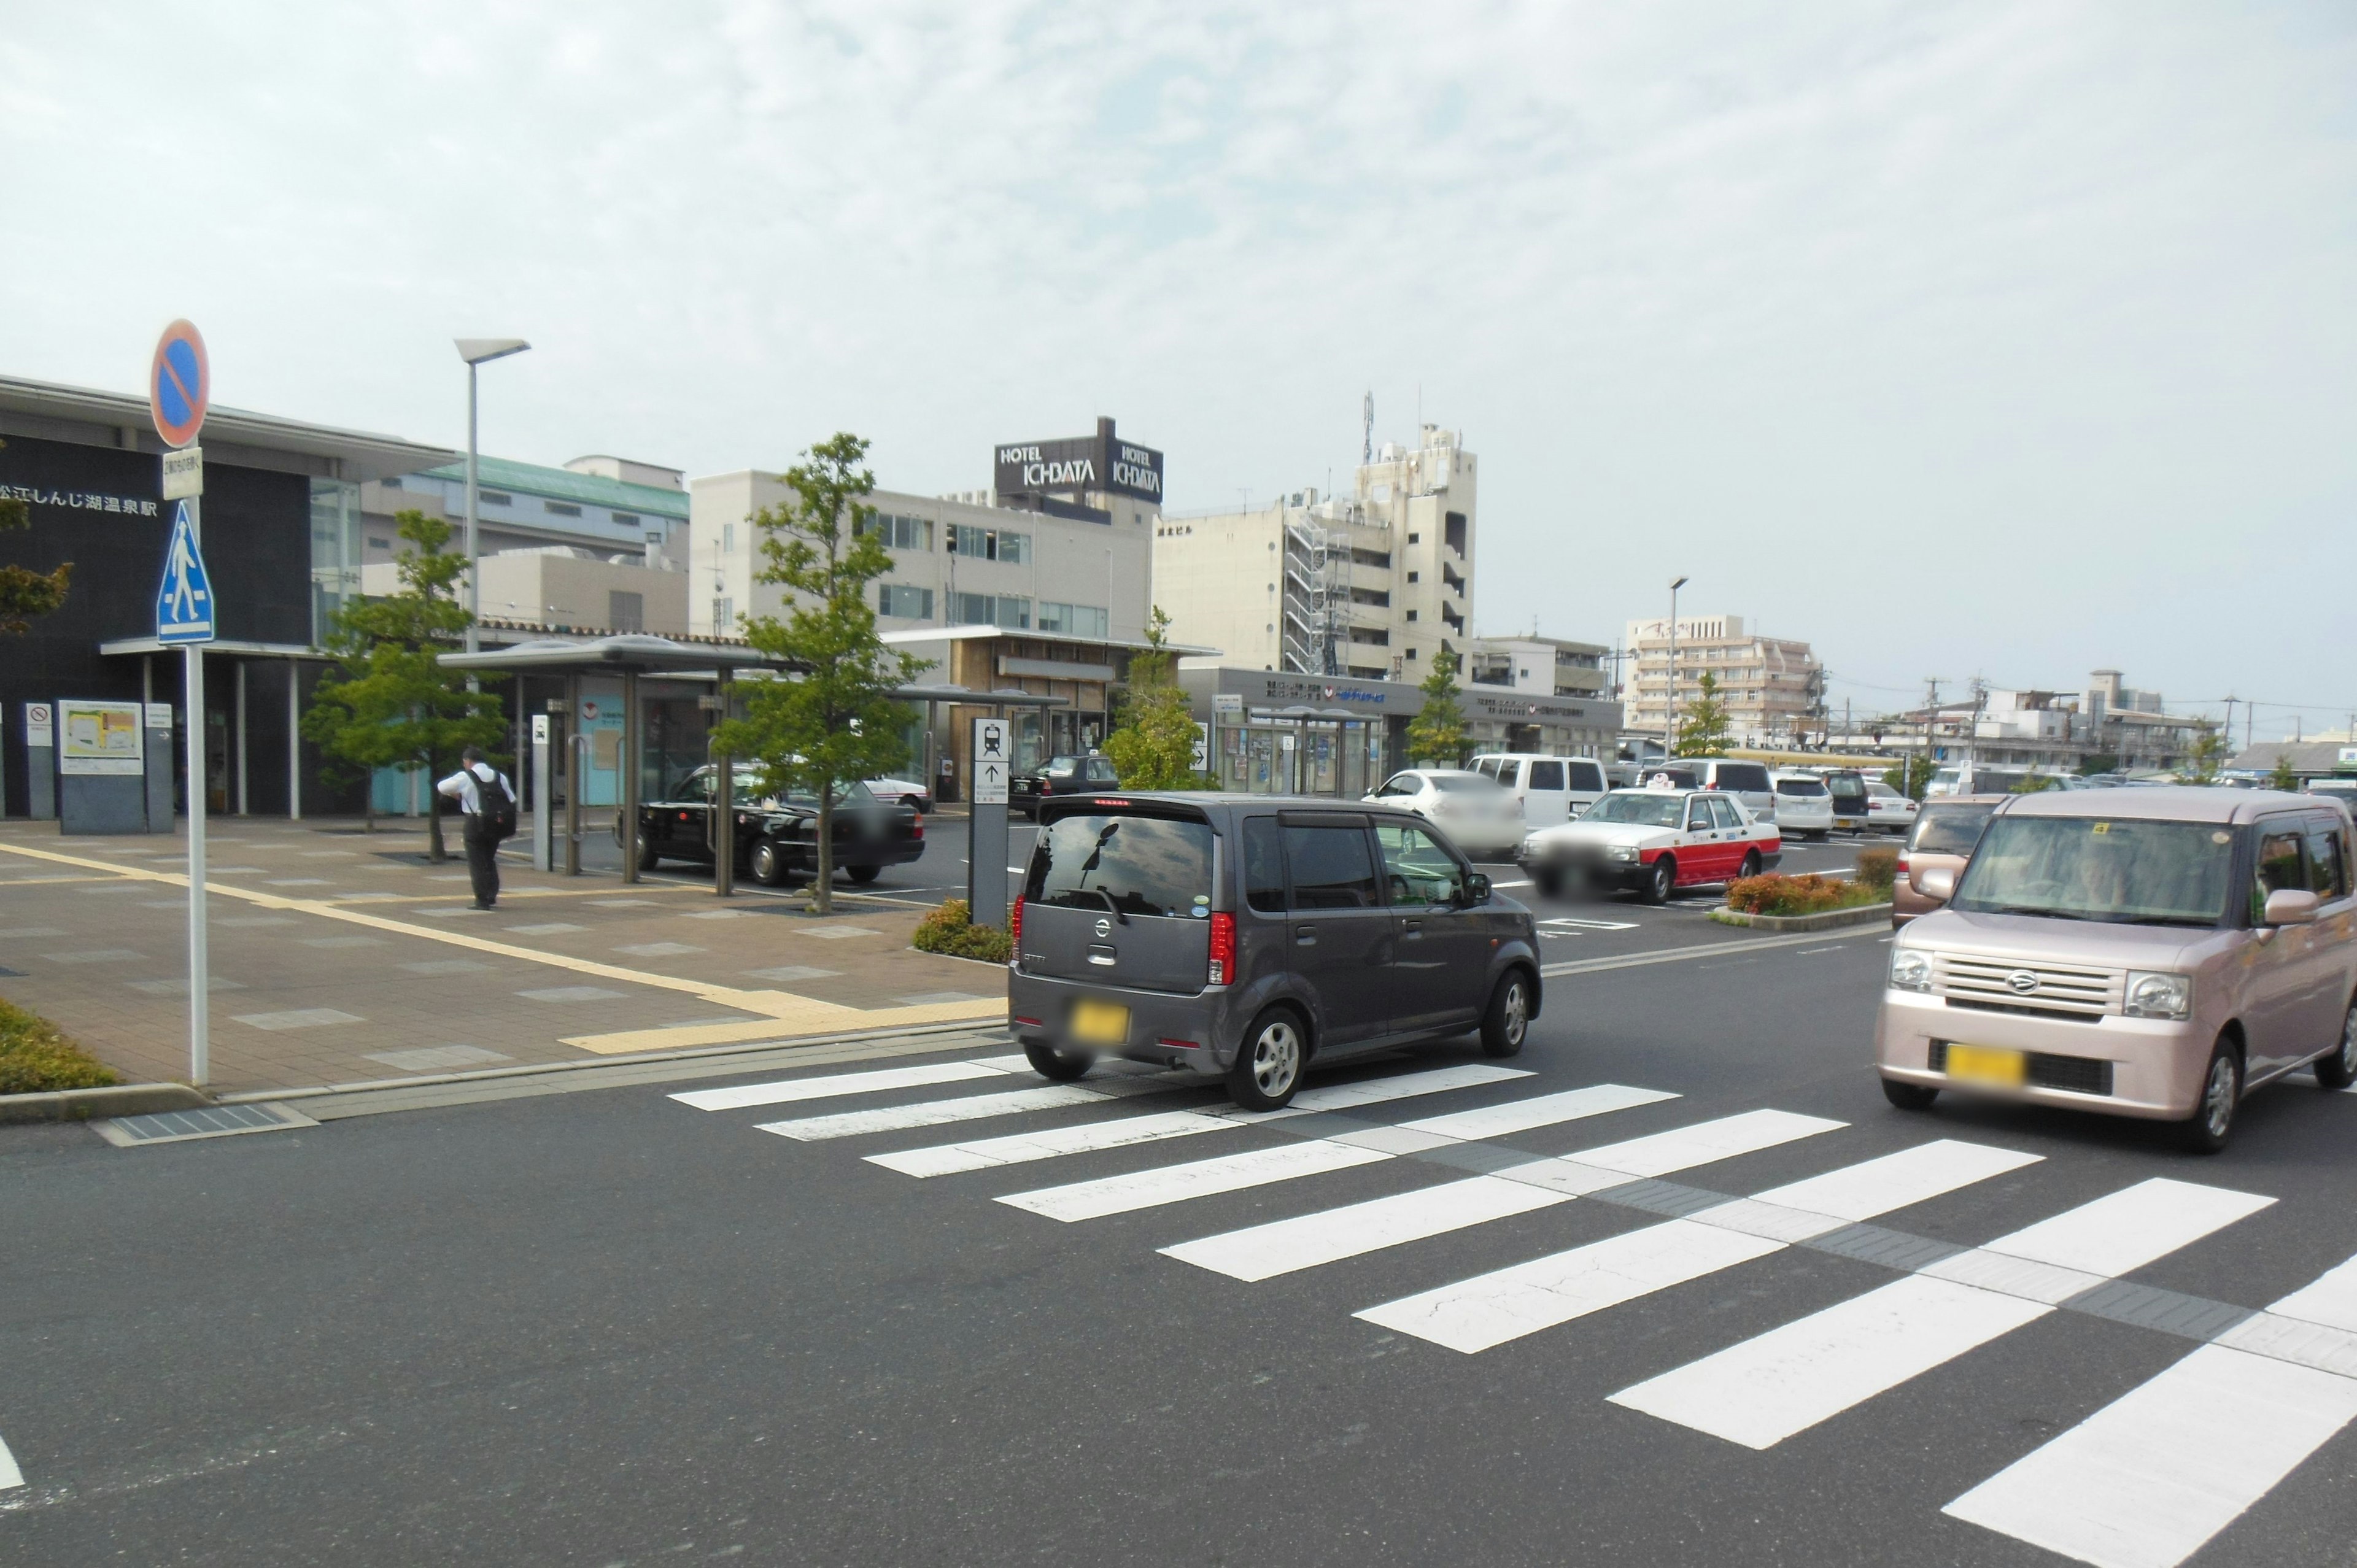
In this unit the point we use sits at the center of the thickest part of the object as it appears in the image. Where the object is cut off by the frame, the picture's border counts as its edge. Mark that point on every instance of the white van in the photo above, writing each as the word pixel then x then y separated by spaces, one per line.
pixel 1551 789
pixel 1804 806
pixel 1746 781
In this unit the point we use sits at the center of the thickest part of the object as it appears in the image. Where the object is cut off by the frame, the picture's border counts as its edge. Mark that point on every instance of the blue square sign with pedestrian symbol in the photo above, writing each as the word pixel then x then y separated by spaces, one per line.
pixel 184 605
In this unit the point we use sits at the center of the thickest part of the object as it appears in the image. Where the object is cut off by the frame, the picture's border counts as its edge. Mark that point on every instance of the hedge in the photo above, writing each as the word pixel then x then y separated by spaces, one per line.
pixel 1777 894
pixel 950 929
pixel 37 1059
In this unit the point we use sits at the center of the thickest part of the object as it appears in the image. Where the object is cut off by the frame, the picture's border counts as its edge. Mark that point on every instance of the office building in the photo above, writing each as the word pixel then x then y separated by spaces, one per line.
pixel 1773 688
pixel 1539 694
pixel 607 506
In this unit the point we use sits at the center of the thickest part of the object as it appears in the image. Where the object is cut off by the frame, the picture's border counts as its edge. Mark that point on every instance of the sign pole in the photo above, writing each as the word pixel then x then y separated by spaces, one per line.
pixel 179 391
pixel 200 966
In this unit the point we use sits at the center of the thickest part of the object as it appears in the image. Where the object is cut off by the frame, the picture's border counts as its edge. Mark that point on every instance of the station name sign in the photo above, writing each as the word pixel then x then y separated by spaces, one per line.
pixel 1105 464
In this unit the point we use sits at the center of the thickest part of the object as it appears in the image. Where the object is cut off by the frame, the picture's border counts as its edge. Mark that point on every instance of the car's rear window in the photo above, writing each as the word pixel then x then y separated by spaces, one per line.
pixel 1951 830
pixel 1848 786
pixel 1456 783
pixel 1742 776
pixel 1805 789
pixel 1146 866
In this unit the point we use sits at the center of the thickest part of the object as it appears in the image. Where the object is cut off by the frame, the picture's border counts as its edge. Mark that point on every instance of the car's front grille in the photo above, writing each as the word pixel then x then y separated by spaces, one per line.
pixel 2040 988
pixel 1979 1006
pixel 2080 1075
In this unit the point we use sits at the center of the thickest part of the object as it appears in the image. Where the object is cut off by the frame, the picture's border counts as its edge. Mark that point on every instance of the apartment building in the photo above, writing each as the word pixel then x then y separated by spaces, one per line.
pixel 1369 586
pixel 1773 688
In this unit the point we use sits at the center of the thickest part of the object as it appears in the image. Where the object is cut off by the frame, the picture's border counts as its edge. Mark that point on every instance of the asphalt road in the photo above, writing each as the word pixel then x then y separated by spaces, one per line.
pixel 615 1327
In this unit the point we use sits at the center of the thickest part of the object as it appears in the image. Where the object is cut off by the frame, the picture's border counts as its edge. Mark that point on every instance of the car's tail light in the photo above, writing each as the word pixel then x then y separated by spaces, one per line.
pixel 918 830
pixel 1901 869
pixel 1015 924
pixel 1222 967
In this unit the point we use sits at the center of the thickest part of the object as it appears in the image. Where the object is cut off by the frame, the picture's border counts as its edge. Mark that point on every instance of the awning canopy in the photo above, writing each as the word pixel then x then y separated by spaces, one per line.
pixel 642 652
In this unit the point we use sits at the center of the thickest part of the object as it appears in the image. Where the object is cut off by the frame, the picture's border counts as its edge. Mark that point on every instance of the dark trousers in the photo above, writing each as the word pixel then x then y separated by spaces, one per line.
pixel 482 860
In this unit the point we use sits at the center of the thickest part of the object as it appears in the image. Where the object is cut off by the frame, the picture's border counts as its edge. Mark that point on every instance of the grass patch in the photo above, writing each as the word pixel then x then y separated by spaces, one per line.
pixel 951 929
pixel 1776 894
pixel 34 1059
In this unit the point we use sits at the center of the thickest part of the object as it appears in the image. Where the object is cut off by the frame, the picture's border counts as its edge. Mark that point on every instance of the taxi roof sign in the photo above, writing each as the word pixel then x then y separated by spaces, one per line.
pixel 179 384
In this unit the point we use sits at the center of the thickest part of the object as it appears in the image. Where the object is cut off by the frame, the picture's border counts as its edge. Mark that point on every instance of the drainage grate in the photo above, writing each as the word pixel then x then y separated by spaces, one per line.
pixel 211 1121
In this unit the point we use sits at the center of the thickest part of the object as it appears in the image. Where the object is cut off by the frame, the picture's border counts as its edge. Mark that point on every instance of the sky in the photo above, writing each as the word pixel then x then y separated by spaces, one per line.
pixel 2009 339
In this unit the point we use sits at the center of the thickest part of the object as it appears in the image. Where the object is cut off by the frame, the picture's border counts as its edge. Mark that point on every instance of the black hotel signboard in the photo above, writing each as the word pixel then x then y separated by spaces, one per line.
pixel 1104 463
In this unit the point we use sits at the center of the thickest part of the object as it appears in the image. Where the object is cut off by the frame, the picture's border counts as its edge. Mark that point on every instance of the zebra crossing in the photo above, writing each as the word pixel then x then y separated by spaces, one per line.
pixel 2139 1484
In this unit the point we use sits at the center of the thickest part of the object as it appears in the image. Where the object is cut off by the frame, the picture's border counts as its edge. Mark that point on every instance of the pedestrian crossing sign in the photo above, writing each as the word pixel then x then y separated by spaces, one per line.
pixel 184 604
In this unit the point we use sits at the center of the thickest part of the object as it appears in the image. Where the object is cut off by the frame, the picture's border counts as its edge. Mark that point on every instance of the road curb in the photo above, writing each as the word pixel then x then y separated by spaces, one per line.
pixel 1863 915
pixel 81 1104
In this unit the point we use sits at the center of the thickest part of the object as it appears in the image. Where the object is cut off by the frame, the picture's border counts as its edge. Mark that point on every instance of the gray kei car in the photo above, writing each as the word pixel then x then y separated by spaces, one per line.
pixel 1244 936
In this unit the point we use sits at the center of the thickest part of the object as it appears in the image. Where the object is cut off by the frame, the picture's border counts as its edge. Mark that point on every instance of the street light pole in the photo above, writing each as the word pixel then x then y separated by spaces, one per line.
pixel 1670 703
pixel 476 351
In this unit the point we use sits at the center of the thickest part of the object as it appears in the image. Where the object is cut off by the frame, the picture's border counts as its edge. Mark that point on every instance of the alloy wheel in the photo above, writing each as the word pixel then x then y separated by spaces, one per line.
pixel 2218 1098
pixel 1276 1057
pixel 1518 1012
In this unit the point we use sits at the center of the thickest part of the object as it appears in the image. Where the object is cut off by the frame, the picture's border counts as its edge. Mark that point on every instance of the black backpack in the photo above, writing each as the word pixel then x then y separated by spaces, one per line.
pixel 499 806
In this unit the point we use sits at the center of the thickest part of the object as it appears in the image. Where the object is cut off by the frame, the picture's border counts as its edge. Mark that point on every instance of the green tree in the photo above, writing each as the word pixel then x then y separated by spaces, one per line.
pixel 2037 784
pixel 836 723
pixel 2204 757
pixel 1436 736
pixel 1153 747
pixel 2285 777
pixel 1911 776
pixel 389 703
pixel 1704 730
pixel 25 593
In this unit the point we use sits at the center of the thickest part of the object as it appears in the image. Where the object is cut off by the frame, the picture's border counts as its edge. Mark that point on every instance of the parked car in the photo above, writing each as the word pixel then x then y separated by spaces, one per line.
pixel 1804 806
pixel 1889 809
pixel 777 836
pixel 1060 776
pixel 1974 779
pixel 2153 953
pixel 1746 781
pixel 1247 937
pixel 1652 841
pixel 901 792
pixel 1945 832
pixel 1551 789
pixel 1668 776
pixel 1469 808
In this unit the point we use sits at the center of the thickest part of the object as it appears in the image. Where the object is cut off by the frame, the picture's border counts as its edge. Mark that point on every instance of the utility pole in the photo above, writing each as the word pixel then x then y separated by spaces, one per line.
pixel 2230 723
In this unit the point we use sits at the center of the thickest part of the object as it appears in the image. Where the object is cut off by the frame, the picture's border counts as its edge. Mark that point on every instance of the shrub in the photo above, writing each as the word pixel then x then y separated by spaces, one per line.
pixel 1877 868
pixel 948 929
pixel 1777 894
pixel 34 1059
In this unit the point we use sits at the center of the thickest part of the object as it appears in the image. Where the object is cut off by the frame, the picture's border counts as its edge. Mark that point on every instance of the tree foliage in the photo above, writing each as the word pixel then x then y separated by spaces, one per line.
pixel 1704 730
pixel 388 702
pixel 1153 746
pixel 2204 757
pixel 1436 736
pixel 2285 777
pixel 836 722
pixel 25 593
pixel 1911 776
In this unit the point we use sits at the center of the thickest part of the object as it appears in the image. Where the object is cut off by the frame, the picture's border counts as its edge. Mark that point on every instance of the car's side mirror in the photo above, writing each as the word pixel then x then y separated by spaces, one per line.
pixel 1477 887
pixel 2290 907
pixel 1939 882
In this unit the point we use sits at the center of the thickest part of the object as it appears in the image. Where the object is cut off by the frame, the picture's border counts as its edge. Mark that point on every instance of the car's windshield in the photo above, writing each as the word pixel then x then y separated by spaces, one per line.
pixel 1654 810
pixel 1951 830
pixel 2094 869
pixel 1144 865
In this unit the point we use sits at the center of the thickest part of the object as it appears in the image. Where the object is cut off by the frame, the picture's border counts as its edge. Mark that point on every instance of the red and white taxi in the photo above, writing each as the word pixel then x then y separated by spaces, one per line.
pixel 1652 840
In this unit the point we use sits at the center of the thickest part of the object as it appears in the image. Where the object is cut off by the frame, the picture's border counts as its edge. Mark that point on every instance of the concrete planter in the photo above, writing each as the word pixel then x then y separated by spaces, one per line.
pixel 81 1104
pixel 1861 915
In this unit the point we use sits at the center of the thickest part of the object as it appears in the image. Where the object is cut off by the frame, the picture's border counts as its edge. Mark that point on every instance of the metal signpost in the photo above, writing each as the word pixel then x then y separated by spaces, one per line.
pixel 992 759
pixel 179 388
pixel 540 845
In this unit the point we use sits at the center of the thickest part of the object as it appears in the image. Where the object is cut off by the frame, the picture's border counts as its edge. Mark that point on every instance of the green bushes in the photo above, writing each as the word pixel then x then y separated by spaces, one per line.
pixel 34 1059
pixel 950 929
pixel 1777 894
pixel 1877 868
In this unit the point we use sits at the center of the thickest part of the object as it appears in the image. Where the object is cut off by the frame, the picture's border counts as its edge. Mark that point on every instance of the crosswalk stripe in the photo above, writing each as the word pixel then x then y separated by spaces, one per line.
pixel 935 1112
pixel 2331 1300
pixel 1308 1240
pixel 1400 1086
pixel 10 1476
pixel 786 1092
pixel 1540 1110
pixel 1488 1310
pixel 2146 1481
pixel 1788 1379
pixel 1723 1138
pixel 949 1159
pixel 1176 1183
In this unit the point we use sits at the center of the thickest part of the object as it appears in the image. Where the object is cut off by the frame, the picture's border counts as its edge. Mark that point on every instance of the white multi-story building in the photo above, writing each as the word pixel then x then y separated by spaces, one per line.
pixel 1773 687
pixel 1369 586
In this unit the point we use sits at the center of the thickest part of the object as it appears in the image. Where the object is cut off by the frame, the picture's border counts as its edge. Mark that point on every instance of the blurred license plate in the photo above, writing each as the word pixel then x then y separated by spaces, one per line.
pixel 1986 1064
pixel 1100 1023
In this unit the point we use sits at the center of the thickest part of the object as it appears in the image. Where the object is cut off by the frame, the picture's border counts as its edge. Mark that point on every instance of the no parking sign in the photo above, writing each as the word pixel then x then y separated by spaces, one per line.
pixel 179 384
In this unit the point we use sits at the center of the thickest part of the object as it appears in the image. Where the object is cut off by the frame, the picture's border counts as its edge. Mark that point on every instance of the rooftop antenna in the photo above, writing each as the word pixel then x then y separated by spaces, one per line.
pixel 1367 426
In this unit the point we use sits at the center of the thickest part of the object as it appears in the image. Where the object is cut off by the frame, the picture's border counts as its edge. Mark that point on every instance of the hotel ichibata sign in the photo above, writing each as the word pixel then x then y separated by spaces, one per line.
pixel 1104 463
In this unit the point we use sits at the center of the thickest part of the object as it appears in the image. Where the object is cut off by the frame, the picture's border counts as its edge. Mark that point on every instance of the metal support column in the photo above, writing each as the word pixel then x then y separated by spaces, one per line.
pixel 724 809
pixel 628 819
pixel 574 740
pixel 245 778
pixel 294 743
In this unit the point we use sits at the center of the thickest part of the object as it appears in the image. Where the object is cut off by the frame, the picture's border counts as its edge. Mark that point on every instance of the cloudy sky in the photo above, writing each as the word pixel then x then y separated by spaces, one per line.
pixel 2002 338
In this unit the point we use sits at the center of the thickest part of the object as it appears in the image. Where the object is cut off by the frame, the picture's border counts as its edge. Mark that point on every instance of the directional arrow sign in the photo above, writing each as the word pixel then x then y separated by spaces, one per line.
pixel 184 604
pixel 992 747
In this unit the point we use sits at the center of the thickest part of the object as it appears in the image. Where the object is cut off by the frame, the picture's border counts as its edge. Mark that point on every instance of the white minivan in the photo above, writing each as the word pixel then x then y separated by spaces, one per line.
pixel 1551 789
pixel 1804 806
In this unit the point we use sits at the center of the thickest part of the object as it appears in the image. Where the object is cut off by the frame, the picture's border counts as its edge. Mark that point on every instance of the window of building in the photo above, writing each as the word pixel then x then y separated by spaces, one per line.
pixel 392 483
pixel 1379 558
pixel 727 539
pixel 902 600
pixel 1008 610
pixel 1413 576
pixel 625 612
pixel 1410 615
pixel 560 509
pixel 900 532
pixel 495 497
pixel 1416 539
pixel 627 520
pixel 1074 620
pixel 1374 636
pixel 724 615
pixel 1374 596
pixel 990 543
pixel 1457 531
pixel 376 544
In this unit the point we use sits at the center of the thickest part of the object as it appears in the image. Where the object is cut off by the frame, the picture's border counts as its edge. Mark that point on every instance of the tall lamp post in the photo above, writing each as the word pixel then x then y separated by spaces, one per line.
pixel 1670 703
pixel 476 351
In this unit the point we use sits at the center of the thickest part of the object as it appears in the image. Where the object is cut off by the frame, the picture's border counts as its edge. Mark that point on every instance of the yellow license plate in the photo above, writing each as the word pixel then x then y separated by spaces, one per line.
pixel 1987 1064
pixel 1100 1023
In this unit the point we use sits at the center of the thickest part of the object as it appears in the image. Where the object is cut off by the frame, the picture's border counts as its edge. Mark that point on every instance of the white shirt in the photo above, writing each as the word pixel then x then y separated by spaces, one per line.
pixel 461 787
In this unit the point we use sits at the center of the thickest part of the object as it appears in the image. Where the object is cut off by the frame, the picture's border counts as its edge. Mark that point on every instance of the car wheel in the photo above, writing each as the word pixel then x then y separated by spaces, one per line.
pixel 1063 1066
pixel 2212 1125
pixel 2339 1070
pixel 1909 1096
pixel 768 866
pixel 1547 882
pixel 1657 886
pixel 863 875
pixel 648 858
pixel 1268 1068
pixel 1750 863
pixel 1508 1020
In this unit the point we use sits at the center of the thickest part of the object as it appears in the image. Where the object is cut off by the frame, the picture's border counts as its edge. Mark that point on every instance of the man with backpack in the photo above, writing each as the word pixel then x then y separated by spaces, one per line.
pixel 490 802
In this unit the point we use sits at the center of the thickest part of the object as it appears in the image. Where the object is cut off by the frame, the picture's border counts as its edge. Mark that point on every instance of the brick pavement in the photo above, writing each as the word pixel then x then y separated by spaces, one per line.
pixel 342 956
